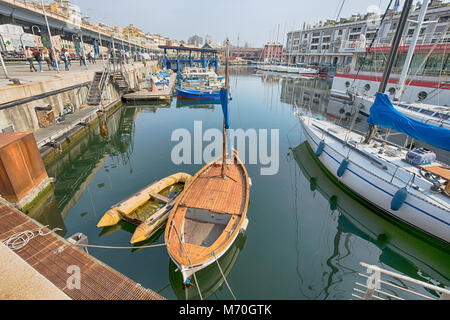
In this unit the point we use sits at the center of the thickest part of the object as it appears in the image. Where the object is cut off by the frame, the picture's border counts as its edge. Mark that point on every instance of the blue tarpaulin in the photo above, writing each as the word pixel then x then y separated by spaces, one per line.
pixel 385 115
pixel 224 102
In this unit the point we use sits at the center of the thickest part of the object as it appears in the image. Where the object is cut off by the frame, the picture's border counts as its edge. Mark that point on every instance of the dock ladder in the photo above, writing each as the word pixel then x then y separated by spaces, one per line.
pixel 395 286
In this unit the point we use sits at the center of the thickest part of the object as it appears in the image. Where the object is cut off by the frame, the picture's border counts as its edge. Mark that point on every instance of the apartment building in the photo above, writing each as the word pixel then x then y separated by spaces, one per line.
pixel 333 43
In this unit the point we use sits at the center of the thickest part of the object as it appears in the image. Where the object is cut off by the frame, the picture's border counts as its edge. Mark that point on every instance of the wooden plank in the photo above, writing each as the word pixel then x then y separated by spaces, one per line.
pixel 159 197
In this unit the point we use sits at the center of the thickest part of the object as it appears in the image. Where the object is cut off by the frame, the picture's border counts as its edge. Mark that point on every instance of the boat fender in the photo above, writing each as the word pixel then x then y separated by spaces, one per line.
pixel 399 199
pixel 250 183
pixel 313 184
pixel 343 167
pixel 320 148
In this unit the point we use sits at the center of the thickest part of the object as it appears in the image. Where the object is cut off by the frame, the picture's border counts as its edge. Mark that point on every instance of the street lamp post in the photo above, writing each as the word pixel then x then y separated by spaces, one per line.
pixel 1 60
pixel 50 35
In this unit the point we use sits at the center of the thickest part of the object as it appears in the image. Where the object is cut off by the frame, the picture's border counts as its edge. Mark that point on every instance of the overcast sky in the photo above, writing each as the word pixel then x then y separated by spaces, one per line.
pixel 255 21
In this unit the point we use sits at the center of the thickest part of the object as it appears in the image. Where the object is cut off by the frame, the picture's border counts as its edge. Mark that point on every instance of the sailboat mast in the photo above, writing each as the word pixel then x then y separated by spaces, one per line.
pixel 412 47
pixel 227 86
pixel 391 59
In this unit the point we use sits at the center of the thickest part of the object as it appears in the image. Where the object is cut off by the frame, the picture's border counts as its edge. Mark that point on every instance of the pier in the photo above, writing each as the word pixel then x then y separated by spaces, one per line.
pixel 39 270
pixel 146 95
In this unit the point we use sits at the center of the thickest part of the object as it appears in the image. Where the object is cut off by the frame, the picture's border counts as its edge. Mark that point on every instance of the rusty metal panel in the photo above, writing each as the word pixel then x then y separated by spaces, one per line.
pixel 21 165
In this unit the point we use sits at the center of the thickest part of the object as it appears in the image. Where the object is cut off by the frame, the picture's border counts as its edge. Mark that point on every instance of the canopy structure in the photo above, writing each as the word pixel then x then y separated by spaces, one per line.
pixel 385 115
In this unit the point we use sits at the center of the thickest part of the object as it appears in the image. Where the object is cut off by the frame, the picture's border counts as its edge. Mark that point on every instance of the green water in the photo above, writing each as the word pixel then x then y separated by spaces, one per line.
pixel 306 235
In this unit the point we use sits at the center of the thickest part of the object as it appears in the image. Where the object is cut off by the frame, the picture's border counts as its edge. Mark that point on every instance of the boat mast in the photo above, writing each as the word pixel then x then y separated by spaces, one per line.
pixel 412 47
pixel 392 59
pixel 227 86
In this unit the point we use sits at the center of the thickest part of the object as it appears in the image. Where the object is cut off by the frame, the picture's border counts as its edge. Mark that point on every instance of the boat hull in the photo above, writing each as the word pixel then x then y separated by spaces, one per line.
pixel 420 214
pixel 198 94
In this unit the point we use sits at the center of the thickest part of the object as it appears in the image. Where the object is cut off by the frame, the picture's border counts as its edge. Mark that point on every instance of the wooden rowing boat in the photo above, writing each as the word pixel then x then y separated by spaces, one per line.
pixel 211 210
pixel 149 208
pixel 208 216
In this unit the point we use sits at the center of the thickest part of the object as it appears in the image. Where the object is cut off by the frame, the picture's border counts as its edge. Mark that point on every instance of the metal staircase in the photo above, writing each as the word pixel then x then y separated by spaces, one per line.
pixel 113 71
pixel 98 86
pixel 120 78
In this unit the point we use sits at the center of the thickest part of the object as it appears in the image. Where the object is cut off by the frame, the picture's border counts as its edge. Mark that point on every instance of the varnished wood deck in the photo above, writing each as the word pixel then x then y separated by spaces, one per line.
pixel 98 281
pixel 208 191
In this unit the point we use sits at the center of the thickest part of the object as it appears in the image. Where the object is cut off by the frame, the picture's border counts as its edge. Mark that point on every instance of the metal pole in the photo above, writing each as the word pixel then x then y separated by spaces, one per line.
pixel 3 65
pixel 84 51
pixel 50 35
pixel 391 60
pixel 412 46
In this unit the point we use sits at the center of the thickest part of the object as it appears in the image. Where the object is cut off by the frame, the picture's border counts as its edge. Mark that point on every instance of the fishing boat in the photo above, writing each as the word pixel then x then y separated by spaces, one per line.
pixel 199 84
pixel 409 185
pixel 147 209
pixel 212 209
pixel 198 94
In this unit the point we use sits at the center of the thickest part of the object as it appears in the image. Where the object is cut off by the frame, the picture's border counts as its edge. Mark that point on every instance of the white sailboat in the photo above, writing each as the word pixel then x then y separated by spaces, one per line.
pixel 388 176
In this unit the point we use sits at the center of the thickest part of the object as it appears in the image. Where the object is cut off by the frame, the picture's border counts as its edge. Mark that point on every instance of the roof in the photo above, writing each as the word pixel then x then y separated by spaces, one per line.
pixel 181 48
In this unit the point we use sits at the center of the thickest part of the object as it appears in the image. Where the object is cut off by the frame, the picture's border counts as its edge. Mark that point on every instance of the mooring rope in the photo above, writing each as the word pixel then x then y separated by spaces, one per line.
pixel 224 278
pixel 19 240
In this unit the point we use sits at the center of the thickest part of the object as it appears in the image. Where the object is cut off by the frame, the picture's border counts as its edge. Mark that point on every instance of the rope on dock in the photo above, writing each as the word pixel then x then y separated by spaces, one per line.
pixel 19 240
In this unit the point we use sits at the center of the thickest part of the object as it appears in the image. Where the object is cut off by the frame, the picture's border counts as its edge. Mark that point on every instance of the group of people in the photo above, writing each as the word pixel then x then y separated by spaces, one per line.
pixel 53 58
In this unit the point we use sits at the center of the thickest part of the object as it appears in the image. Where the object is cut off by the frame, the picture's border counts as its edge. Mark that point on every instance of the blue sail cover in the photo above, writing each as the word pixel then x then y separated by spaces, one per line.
pixel 385 115
pixel 224 102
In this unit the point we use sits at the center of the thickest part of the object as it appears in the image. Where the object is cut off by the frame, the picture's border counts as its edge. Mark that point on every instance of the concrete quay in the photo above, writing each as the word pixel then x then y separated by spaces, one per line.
pixel 58 90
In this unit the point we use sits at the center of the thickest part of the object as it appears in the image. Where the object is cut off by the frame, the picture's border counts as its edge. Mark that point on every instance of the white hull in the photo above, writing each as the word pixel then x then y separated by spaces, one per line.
pixel 422 209
pixel 286 69
pixel 342 83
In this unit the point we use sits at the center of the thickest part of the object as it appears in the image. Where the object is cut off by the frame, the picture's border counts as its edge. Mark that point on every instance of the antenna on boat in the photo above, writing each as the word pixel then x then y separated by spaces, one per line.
pixel 391 60
pixel 227 86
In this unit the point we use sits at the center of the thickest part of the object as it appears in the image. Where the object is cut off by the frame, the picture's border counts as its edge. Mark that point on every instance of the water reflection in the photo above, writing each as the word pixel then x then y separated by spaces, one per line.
pixel 75 169
pixel 210 279
pixel 347 229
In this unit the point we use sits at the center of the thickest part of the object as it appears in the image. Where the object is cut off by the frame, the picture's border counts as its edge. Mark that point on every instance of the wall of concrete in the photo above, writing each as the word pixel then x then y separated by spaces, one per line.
pixel 23 117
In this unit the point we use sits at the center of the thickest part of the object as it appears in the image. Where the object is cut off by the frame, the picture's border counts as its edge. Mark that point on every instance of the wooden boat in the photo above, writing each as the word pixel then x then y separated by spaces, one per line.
pixel 208 216
pixel 211 210
pixel 149 207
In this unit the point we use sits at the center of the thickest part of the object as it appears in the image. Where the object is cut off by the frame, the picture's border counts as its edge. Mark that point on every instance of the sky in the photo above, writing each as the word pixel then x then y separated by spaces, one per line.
pixel 252 21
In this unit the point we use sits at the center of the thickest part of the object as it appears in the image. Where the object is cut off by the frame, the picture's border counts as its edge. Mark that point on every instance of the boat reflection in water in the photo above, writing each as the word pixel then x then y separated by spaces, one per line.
pixel 209 279
pixel 197 104
pixel 394 246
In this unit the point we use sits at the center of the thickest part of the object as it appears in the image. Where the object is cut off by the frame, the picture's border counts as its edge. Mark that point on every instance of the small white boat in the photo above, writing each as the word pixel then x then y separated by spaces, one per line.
pixel 377 172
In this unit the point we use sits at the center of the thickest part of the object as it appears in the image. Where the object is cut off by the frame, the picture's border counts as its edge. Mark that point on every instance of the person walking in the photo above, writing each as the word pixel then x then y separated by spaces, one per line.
pixel 46 58
pixel 65 58
pixel 38 56
pixel 82 61
pixel 58 59
pixel 92 54
pixel 29 57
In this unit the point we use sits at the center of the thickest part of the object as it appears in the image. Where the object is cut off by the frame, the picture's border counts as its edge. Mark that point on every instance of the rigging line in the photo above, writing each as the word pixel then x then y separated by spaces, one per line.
pixel 373 41
pixel 342 6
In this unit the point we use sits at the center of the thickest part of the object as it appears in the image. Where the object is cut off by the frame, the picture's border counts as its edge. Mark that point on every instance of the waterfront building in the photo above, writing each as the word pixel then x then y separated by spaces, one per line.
pixel 254 54
pixel 333 43
pixel 273 52
pixel 195 40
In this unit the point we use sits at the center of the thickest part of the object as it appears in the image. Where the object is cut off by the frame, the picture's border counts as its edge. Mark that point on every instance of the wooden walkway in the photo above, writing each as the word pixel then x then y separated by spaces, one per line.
pixel 98 281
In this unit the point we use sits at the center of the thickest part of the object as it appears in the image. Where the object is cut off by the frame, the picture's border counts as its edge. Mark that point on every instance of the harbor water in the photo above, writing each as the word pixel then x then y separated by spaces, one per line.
pixel 306 235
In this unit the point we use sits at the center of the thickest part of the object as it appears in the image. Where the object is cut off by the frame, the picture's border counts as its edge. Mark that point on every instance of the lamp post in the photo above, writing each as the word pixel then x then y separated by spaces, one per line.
pixel 1 59
pixel 32 29
pixel 49 34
